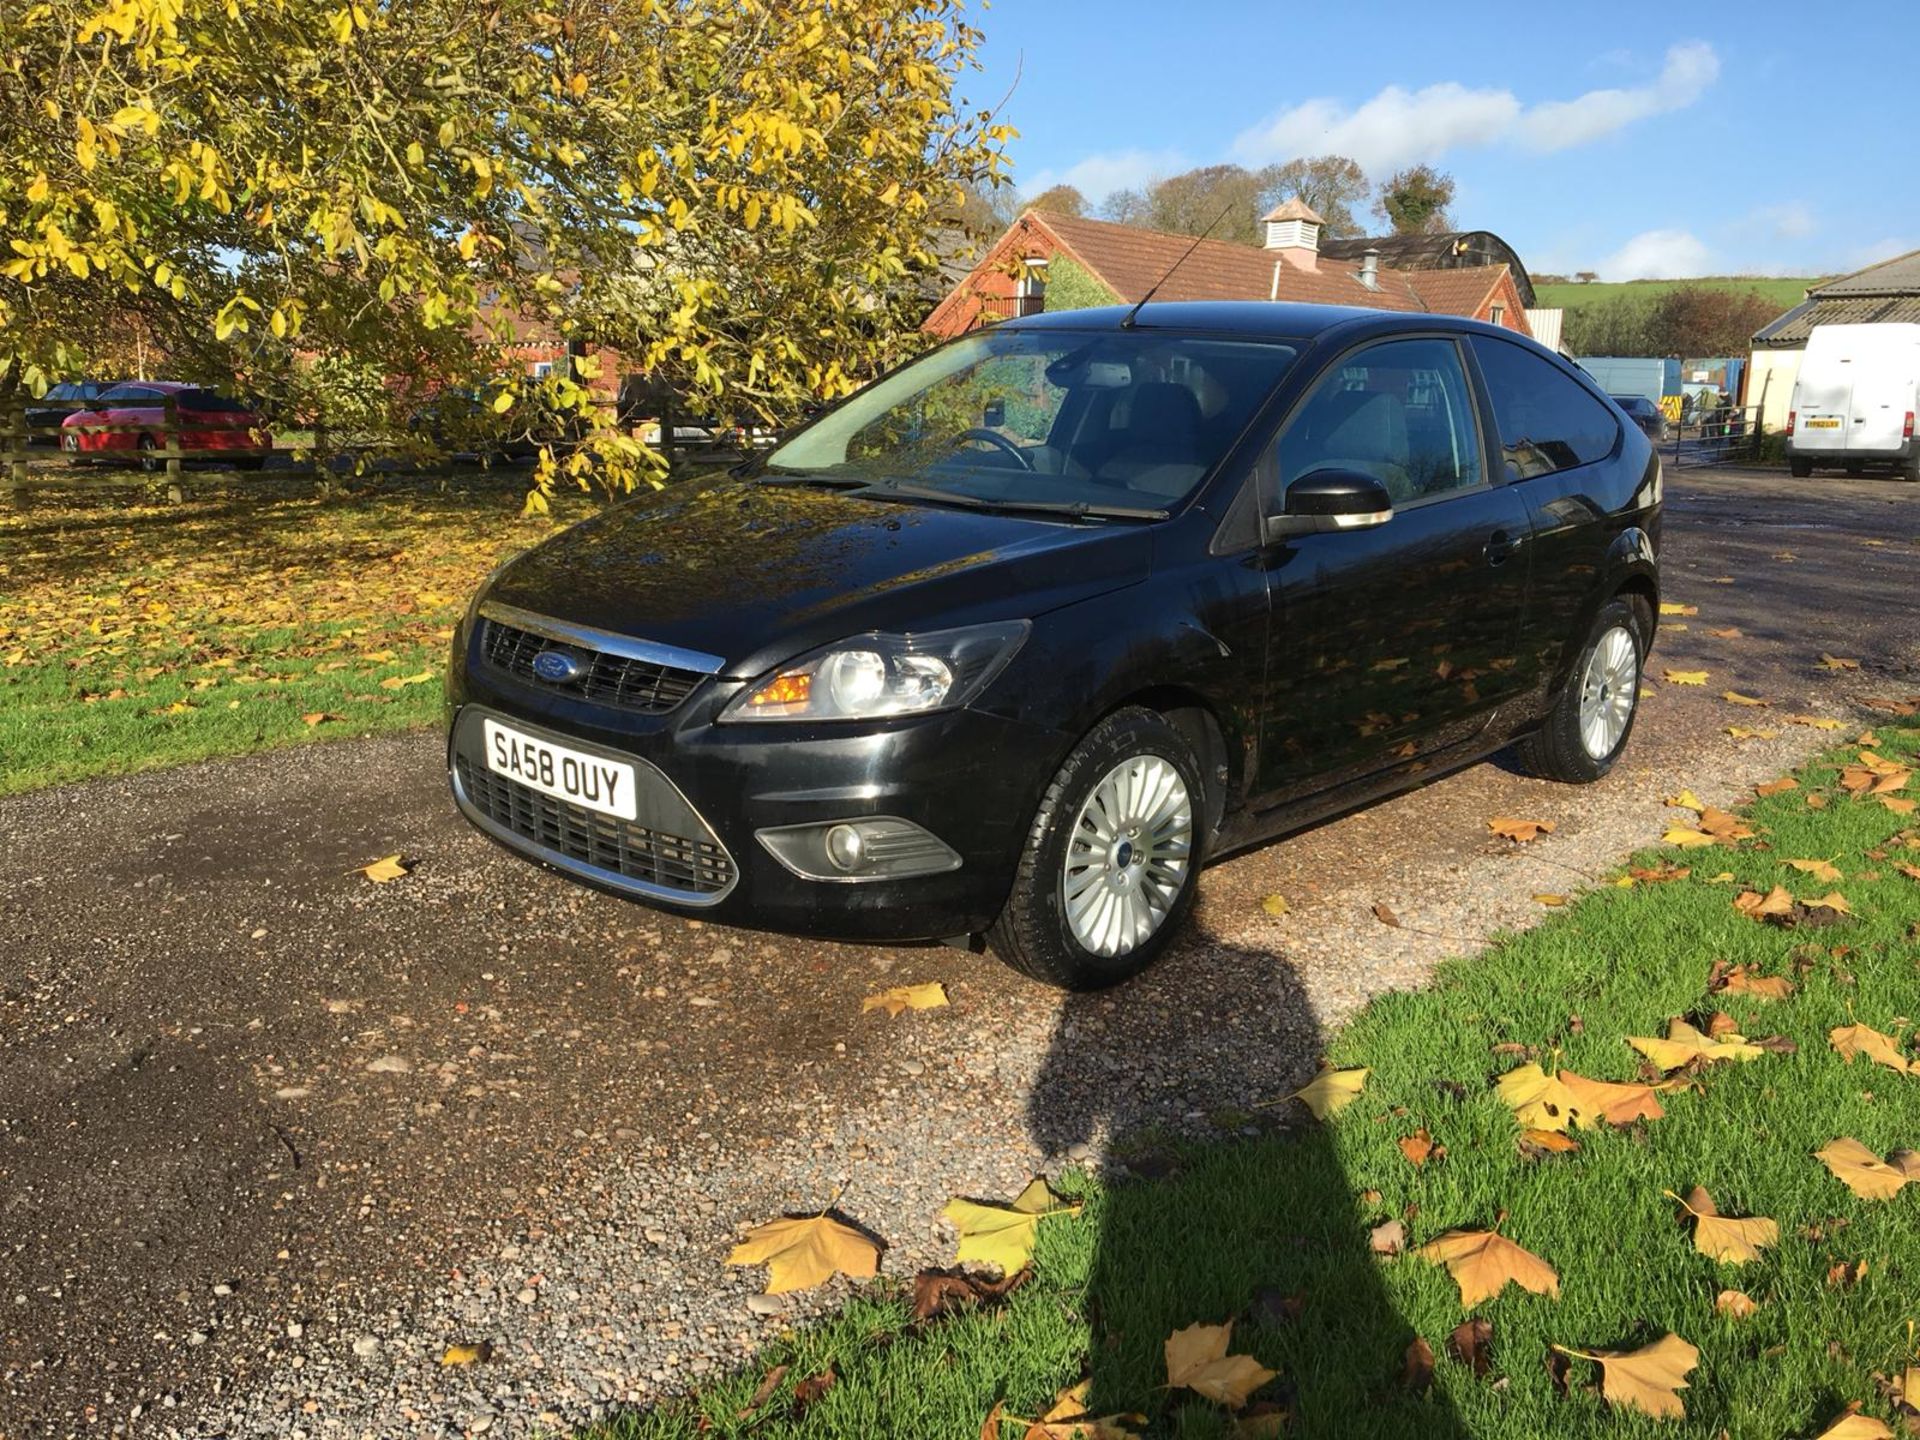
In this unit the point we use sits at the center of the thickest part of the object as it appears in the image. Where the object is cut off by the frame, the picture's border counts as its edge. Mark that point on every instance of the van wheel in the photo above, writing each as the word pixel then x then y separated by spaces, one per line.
pixel 1112 858
pixel 1590 722
pixel 1911 470
pixel 1800 469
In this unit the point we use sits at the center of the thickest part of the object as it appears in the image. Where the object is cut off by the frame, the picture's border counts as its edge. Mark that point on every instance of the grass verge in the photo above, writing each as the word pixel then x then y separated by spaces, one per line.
pixel 1274 1234
pixel 1783 292
pixel 135 635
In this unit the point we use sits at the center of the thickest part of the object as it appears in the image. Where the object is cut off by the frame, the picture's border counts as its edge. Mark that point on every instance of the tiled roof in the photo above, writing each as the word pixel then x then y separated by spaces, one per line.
pixel 1791 330
pixel 1293 208
pixel 1898 276
pixel 1131 260
pixel 1458 292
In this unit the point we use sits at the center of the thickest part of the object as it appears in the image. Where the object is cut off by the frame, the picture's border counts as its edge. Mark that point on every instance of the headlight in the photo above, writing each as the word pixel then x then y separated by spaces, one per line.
pixel 871 677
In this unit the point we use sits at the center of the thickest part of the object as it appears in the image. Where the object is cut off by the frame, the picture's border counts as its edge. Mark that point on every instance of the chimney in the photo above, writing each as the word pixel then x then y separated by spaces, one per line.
pixel 1370 268
pixel 1292 233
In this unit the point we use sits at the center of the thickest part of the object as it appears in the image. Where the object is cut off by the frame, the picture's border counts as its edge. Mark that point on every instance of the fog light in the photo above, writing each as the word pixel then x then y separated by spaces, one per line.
pixel 874 847
pixel 845 848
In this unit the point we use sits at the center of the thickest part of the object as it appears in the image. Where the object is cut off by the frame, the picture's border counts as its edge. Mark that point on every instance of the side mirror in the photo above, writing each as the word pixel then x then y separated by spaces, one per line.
pixel 1323 500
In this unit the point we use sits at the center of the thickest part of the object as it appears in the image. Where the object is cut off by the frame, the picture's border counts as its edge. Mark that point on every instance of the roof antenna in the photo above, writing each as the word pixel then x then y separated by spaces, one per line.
pixel 1127 323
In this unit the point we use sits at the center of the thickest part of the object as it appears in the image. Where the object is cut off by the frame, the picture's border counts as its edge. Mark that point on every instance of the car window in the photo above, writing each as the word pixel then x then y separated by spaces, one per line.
pixel 1548 420
pixel 205 402
pixel 1399 411
pixel 62 392
pixel 124 394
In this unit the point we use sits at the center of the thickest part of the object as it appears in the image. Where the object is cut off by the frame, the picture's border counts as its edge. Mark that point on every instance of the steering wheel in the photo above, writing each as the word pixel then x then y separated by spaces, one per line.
pixel 998 441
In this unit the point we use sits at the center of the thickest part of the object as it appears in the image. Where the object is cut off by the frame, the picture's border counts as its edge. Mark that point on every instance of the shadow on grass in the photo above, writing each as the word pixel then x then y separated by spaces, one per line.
pixel 1270 1233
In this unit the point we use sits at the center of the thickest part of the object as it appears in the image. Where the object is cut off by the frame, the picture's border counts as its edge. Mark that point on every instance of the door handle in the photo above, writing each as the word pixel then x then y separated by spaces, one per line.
pixel 1501 545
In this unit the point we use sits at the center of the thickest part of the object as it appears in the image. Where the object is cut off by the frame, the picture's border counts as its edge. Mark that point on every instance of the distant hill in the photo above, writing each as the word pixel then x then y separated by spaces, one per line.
pixel 1784 293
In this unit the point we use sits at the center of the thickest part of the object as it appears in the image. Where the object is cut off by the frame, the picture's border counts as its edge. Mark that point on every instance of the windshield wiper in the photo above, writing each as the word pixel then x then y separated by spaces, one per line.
pixel 774 476
pixel 1076 509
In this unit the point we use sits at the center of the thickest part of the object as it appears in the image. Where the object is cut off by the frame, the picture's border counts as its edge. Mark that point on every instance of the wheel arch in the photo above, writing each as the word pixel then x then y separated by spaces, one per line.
pixel 1189 712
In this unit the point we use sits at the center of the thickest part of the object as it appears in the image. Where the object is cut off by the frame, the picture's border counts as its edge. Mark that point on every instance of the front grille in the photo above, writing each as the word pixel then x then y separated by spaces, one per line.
pixel 672 862
pixel 642 685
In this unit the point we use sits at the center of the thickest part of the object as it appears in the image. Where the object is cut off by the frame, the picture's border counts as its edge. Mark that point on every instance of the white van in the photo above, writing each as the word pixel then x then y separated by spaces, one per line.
pixel 1855 398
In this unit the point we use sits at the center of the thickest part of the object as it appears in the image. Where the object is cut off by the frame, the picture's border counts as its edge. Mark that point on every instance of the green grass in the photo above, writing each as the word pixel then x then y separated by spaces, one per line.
pixel 135 634
pixel 1785 293
pixel 1290 1213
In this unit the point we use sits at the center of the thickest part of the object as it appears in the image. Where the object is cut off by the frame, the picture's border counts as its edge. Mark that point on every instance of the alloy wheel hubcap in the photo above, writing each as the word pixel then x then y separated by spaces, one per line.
pixel 1128 856
pixel 1608 692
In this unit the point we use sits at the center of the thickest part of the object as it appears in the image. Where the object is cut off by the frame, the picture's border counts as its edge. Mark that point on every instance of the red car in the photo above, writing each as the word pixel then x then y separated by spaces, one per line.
pixel 208 422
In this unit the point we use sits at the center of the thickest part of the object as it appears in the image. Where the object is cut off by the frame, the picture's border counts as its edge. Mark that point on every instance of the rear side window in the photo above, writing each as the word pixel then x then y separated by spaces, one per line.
pixel 122 394
pixel 1548 421
pixel 205 402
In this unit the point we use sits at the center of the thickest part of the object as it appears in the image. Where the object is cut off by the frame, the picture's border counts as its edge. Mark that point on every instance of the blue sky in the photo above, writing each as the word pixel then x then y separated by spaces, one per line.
pixel 1632 139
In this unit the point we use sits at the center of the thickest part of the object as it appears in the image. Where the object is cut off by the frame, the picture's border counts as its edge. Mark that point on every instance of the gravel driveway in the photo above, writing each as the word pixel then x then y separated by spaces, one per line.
pixel 272 1136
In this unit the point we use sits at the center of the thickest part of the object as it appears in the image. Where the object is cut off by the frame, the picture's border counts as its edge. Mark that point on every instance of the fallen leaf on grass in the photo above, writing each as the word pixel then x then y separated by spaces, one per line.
pixel 1688 838
pixel 1471 1343
pixel 1819 869
pixel 1735 1242
pixel 1389 1237
pixel 1854 1426
pixel 810 1390
pixel 1416 1369
pixel 472 1354
pixel 805 1251
pixel 1747 980
pixel 1328 1093
pixel 1735 1304
pixel 1539 1101
pixel 1659 874
pixel 1647 1379
pixel 1724 825
pixel 1852 1040
pixel 1897 804
pixel 1611 1101
pixel 385 869
pixel 935 1292
pixel 1864 1172
pixel 1197 1360
pixel 1685 1045
pixel 1003 1235
pixel 1844 1276
pixel 1519 831
pixel 1536 1144
pixel 398 682
pixel 1485 1262
pixel 930 996
pixel 1684 677
pixel 762 1392
pixel 1067 1419
pixel 1777 787
pixel 319 717
pixel 1419 1148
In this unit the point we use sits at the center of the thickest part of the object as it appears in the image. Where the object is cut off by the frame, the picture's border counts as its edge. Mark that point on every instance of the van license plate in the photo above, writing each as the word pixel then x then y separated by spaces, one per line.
pixel 586 780
pixel 1824 422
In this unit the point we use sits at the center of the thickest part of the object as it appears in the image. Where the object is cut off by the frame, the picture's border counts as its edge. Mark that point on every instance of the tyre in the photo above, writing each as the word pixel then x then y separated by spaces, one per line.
pixel 1593 717
pixel 1112 857
pixel 1910 470
pixel 150 460
pixel 1800 469
pixel 70 446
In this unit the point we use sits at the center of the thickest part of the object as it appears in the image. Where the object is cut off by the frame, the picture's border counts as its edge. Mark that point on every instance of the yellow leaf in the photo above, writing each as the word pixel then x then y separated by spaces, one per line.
pixel 929 996
pixel 802 1252
pixel 1667 607
pixel 1819 869
pixel 388 867
pixel 1275 905
pixel 1684 677
pixel 891 195
pixel 503 402
pixel 1003 1235
pixel 1862 1171
pixel 1735 1304
pixel 1686 800
pixel 1551 900
pixel 1854 1426
pixel 1687 838
pixel 1852 1040
pixel 1834 662
pixel 1685 1044
pixel 1539 1101
pixel 1817 722
pixel 1484 1262
pixel 1647 1379
pixel 1611 1102
pixel 1776 902
pixel 466 1354
pixel 1329 1092
pixel 1735 697
pixel 1197 1360
pixel 1736 1242
pixel 400 682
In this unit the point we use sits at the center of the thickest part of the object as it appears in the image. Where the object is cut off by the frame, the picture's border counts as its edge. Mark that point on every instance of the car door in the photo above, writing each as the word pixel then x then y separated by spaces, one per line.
pixel 1554 437
pixel 1392 642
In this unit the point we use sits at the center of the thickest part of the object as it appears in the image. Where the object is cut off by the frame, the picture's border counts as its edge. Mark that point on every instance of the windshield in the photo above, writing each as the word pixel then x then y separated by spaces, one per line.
pixel 1117 419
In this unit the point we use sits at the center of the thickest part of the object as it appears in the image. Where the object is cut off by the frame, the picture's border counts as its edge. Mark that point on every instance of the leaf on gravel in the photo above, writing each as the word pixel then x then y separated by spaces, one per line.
pixel 1387 917
pixel 801 1252
pixel 1685 1045
pixel 1197 1360
pixel 1777 787
pixel 1734 697
pixel 1852 1040
pixel 1276 905
pixel 1834 662
pixel 386 868
pixel 1669 607
pixel 468 1354
pixel 1687 838
pixel 1646 1379
pixel 1416 1369
pixel 1003 1235
pixel 1485 1262
pixel 1816 722
pixel 1852 1425
pixel 1539 1101
pixel 1684 677
pixel 930 996
pixel 1471 1343
pixel 1328 1093
pixel 1747 980
pixel 1819 869
pixel 1685 800
pixel 1862 1171
pixel 1893 707
pixel 1611 1101
pixel 1745 732
pixel 390 1065
pixel 1552 902
pixel 1519 831
pixel 1733 1241
pixel 1735 1304
pixel 1726 632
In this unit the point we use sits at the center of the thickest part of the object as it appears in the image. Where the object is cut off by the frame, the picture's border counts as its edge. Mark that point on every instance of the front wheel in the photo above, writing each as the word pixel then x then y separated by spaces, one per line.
pixel 1590 722
pixel 1111 859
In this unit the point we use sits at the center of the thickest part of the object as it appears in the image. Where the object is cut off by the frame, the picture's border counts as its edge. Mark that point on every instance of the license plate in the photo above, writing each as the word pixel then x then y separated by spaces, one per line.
pixel 590 781
pixel 1823 422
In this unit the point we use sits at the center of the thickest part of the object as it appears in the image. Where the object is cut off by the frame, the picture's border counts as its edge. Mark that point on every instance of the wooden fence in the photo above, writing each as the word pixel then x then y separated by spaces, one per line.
pixel 163 457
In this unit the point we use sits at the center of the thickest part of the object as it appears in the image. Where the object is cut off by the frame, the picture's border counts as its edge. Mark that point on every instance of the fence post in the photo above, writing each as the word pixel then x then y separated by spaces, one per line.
pixel 174 491
pixel 16 444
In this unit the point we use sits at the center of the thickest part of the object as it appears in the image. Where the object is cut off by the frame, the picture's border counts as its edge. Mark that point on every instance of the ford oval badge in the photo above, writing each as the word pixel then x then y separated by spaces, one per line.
pixel 557 667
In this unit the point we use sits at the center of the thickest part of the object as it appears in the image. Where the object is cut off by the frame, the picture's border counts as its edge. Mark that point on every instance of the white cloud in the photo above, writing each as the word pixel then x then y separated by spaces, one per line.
pixel 1100 175
pixel 1562 124
pixel 1791 220
pixel 1400 127
pixel 1657 255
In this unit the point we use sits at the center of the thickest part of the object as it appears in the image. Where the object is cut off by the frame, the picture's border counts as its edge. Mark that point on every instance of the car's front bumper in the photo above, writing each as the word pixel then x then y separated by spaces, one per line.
pixel 968 778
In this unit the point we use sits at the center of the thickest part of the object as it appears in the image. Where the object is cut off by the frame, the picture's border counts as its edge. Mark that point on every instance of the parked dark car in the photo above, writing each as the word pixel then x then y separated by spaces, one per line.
pixel 1014 640
pixel 129 422
pixel 1651 419
pixel 45 414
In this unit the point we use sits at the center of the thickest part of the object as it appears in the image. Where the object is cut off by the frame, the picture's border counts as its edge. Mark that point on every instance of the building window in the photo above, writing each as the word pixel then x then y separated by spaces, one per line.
pixel 1030 286
pixel 542 369
pixel 1497 315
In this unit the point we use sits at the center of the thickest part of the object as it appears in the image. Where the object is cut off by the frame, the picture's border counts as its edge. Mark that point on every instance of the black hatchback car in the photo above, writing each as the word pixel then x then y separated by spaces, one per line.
pixel 1015 639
